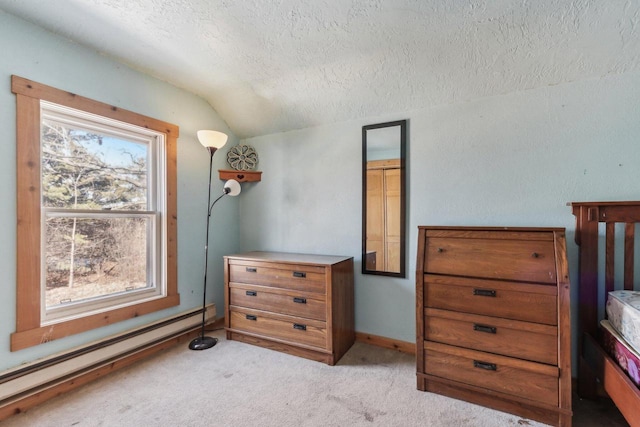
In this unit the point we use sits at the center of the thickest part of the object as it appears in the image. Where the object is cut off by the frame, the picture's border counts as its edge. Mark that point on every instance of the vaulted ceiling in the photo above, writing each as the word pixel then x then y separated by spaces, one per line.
pixel 269 66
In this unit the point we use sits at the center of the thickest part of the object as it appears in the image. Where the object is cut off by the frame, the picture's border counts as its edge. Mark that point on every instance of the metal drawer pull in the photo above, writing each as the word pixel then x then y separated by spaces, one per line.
pixel 300 300
pixel 484 365
pixel 252 293
pixel 299 327
pixel 252 270
pixel 440 250
pixel 251 317
pixel 535 255
pixel 484 292
pixel 483 328
pixel 299 274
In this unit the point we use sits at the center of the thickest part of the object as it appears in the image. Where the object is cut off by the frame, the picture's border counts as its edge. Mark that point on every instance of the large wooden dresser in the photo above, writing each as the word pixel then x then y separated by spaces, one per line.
pixel 296 303
pixel 493 322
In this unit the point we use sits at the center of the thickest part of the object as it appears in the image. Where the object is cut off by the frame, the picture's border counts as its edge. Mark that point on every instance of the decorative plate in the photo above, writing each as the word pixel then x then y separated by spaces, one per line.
pixel 242 158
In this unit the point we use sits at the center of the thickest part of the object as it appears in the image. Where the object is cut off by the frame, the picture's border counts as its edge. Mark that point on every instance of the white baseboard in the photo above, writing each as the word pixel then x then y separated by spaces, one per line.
pixel 34 377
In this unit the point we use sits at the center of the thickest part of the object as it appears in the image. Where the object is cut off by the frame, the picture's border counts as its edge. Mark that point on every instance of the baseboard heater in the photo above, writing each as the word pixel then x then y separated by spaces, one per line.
pixel 21 382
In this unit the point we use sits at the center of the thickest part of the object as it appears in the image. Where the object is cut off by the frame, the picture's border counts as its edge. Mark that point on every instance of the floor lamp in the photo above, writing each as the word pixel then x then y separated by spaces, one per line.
pixel 211 140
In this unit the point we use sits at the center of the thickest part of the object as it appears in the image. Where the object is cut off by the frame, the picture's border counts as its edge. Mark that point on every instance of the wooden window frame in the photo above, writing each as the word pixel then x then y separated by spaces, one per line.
pixel 29 331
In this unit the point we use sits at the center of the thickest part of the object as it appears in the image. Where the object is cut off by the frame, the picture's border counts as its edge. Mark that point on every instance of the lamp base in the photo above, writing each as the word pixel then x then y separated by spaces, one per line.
pixel 202 343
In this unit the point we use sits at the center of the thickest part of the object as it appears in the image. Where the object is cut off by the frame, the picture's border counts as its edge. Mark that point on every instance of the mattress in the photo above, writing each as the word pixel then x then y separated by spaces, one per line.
pixel 623 313
pixel 620 350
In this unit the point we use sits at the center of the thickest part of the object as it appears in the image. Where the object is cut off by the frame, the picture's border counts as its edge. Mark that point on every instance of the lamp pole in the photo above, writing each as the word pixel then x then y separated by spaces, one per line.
pixel 211 140
pixel 203 342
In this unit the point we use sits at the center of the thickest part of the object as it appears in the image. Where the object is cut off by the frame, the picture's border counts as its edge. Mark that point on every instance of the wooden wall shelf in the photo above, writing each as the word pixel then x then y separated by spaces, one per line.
pixel 240 176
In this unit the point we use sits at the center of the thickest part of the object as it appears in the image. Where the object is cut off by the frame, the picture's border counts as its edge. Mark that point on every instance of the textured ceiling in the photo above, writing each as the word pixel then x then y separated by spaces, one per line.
pixel 268 66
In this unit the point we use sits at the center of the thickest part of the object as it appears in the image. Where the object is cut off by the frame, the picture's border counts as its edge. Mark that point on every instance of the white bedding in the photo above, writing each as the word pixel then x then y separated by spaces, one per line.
pixel 623 312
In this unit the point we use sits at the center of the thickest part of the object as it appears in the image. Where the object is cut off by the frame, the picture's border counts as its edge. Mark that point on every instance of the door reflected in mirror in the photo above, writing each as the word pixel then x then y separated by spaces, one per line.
pixel 383 205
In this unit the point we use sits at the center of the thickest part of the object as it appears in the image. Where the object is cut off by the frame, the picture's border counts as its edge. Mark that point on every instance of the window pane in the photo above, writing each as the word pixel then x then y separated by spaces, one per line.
pixel 109 256
pixel 88 170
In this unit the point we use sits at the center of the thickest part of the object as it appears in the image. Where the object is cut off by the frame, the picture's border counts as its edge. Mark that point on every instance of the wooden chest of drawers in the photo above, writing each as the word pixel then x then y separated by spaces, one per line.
pixel 493 322
pixel 296 303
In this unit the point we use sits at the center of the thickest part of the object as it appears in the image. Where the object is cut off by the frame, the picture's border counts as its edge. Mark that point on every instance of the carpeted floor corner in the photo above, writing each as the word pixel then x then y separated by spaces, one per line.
pixel 235 385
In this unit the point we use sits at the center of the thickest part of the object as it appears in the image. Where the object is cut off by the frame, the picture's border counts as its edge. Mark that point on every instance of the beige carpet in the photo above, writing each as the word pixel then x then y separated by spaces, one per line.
pixel 236 384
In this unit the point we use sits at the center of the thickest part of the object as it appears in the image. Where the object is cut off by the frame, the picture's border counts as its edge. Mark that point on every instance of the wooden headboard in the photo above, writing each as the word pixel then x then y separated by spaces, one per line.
pixel 617 219
pixel 588 217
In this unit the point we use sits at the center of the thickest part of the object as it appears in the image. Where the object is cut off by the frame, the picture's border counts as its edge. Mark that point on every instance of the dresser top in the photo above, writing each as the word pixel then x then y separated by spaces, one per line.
pixel 286 257
pixel 481 228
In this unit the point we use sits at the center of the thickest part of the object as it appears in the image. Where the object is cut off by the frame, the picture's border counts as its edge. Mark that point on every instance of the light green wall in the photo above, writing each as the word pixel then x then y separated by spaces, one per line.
pixel 511 160
pixel 33 53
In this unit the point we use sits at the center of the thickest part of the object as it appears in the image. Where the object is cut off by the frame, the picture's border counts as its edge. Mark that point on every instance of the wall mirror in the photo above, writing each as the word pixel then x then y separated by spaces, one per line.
pixel 383 198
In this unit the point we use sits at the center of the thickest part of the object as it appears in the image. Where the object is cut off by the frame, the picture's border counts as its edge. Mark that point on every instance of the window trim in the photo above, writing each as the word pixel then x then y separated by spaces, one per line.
pixel 29 331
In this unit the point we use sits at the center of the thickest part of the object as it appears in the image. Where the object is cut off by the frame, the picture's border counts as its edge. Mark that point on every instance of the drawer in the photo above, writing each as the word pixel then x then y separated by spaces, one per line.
pixel 524 340
pixel 515 377
pixel 476 254
pixel 517 301
pixel 307 305
pixel 286 328
pixel 287 276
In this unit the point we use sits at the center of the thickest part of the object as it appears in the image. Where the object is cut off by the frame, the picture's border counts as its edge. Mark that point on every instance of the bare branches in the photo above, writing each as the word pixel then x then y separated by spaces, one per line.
pixel 77 174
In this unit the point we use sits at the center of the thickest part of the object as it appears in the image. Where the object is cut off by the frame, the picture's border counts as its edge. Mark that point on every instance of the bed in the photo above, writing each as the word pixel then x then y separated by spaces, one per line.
pixel 605 234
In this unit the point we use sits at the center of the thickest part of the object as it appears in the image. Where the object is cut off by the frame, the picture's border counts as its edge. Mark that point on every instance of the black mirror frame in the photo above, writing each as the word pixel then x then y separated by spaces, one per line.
pixel 403 190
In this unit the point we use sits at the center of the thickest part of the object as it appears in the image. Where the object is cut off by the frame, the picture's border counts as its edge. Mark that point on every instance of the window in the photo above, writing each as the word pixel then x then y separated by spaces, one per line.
pixel 102 203
pixel 96 214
